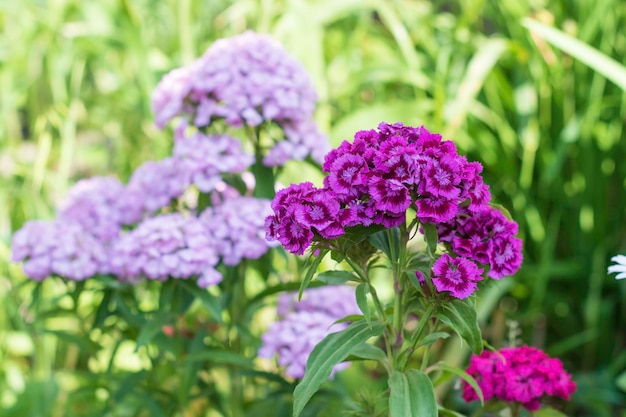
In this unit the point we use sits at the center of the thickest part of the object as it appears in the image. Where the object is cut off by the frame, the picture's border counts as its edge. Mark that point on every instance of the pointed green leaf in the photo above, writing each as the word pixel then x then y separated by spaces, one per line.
pixel 208 300
pixel 370 352
pixel 333 349
pixel 361 300
pixel 465 376
pixel 336 277
pixel 412 395
pixel 220 357
pixel 311 271
pixel 431 237
pixel 432 338
pixel 461 316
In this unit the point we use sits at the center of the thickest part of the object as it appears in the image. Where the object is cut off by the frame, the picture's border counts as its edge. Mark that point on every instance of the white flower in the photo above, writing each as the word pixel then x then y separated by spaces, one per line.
pixel 619 267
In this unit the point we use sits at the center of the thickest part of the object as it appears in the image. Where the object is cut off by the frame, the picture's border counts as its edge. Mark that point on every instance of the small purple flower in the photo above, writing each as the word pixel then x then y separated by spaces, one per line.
pixel 236 228
pixel 456 275
pixel 59 247
pixel 168 245
pixel 303 324
pixel 154 184
pixel 96 205
pixel 206 157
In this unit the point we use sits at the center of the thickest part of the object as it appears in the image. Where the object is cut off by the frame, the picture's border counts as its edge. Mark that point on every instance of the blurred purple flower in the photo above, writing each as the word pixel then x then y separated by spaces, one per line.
pixel 96 205
pixel 58 247
pixel 206 157
pixel 168 245
pixel 236 228
pixel 305 323
pixel 154 184
pixel 246 80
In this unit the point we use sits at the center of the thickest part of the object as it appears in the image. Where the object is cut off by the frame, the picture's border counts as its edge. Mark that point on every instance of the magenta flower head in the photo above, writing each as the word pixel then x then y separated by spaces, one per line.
pixel 246 80
pixel 456 275
pixel 304 324
pixel 96 204
pixel 167 246
pixel 376 179
pixel 59 247
pixel 523 375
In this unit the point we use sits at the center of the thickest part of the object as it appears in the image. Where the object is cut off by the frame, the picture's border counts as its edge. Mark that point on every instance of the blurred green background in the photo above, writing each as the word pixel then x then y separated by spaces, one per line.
pixel 536 108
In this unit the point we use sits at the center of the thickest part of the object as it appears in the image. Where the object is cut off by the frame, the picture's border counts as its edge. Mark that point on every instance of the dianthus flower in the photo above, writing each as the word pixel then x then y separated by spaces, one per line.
pixel 375 180
pixel 304 324
pixel 96 205
pixel 58 247
pixel 166 246
pixel 245 80
pixel 456 275
pixel 236 228
pixel 206 157
pixel 519 374
pixel 485 236
pixel 154 184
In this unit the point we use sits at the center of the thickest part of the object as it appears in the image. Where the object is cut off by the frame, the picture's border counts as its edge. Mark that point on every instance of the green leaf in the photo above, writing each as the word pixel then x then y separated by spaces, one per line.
pixel 151 328
pixel 465 376
pixel 361 300
pixel 336 277
pixel 388 241
pixel 431 237
pixel 333 349
pixel 208 300
pixel 590 56
pixel 461 316
pixel 311 271
pixel 432 338
pixel 369 352
pixel 412 395
pixel 446 412
pixel 264 187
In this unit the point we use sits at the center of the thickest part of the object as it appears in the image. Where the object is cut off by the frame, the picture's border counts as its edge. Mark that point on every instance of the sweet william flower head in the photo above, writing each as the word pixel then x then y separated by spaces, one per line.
pixel 59 247
pixel 236 228
pixel 523 375
pixel 458 276
pixel 164 246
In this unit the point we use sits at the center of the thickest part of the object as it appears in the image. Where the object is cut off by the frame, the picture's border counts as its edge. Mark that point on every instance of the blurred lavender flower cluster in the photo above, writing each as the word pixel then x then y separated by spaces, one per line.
pixel 245 80
pixel 303 324
pixel 105 227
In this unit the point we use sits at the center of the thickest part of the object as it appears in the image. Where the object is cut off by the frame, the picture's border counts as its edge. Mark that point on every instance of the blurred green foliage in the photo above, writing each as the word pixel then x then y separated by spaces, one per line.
pixel 75 84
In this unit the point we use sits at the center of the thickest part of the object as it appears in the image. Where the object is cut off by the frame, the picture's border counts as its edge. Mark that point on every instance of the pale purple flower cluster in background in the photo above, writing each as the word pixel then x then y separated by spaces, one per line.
pixel 58 247
pixel 304 324
pixel 236 228
pixel 95 204
pixel 245 80
pixel 207 157
pixel 518 374
pixel 168 245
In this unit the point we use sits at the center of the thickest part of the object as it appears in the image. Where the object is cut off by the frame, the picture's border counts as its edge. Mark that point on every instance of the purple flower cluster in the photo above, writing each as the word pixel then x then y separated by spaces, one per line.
pixel 245 80
pixel 456 275
pixel 236 228
pixel 168 245
pixel 486 237
pixel 206 157
pixel 519 374
pixel 59 247
pixel 304 324
pixel 154 184
pixel 374 180
pixel 96 205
